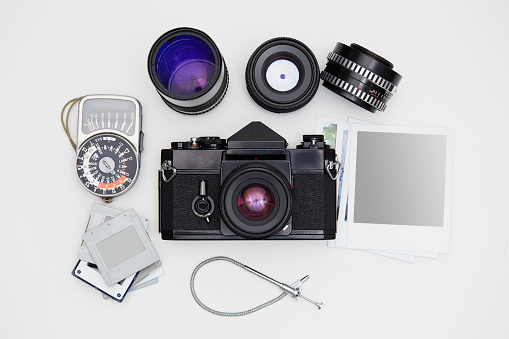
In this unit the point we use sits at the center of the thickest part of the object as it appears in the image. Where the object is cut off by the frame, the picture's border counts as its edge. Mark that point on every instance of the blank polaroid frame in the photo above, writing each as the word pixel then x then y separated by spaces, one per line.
pixel 120 247
pixel 399 188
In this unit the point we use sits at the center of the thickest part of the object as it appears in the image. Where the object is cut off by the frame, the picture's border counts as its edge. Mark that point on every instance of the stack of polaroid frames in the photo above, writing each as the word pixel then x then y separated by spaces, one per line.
pixel 116 255
pixel 394 187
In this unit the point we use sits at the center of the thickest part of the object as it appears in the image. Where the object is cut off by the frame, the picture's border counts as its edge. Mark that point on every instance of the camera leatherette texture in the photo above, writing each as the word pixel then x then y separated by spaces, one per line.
pixel 314 205
pixel 176 198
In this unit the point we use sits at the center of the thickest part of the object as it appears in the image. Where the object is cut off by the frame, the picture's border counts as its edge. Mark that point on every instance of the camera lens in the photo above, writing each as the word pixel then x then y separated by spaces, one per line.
pixel 255 202
pixel 188 71
pixel 361 76
pixel 282 75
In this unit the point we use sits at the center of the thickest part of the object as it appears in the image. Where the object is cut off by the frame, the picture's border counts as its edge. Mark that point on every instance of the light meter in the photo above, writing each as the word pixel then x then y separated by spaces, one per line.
pixel 109 144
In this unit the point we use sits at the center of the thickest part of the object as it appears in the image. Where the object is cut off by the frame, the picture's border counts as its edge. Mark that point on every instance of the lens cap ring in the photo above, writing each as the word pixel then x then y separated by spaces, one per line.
pixel 268 177
pixel 285 91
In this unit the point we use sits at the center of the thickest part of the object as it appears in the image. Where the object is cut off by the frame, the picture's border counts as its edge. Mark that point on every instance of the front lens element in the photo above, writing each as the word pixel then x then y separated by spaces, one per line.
pixel 185 65
pixel 255 202
pixel 188 71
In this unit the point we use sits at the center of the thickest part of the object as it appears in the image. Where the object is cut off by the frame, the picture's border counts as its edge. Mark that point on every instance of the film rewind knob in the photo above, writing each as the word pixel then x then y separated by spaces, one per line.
pixel 202 205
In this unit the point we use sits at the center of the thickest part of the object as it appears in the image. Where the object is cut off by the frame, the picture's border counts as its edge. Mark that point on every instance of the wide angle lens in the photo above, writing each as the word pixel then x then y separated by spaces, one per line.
pixel 361 76
pixel 188 71
pixel 282 75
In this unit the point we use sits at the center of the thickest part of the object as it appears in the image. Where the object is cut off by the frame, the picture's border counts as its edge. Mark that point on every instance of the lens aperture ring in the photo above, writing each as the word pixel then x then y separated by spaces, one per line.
pixel 344 85
pixel 374 78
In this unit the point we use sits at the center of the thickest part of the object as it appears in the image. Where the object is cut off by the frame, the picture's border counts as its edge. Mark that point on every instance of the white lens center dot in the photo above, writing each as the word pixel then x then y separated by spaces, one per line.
pixel 282 75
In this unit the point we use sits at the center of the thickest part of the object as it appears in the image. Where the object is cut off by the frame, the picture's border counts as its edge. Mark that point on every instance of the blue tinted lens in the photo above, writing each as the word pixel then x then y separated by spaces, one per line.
pixel 185 65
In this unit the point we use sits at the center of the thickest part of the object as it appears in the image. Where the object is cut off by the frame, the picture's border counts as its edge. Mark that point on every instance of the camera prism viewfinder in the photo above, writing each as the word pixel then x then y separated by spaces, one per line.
pixel 248 187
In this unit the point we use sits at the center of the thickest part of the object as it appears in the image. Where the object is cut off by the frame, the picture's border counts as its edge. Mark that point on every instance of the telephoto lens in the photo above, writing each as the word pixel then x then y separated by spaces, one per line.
pixel 361 76
pixel 188 71
pixel 282 75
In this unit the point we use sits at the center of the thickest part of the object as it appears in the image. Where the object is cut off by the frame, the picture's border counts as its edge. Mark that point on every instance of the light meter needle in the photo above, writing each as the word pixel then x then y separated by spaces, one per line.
pixel 106 164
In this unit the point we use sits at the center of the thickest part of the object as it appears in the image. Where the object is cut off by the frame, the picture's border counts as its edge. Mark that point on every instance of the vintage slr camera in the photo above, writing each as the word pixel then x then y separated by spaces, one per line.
pixel 250 187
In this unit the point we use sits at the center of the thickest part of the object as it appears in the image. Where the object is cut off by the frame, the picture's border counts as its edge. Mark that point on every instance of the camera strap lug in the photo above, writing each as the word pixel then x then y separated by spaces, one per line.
pixel 167 166
pixel 332 165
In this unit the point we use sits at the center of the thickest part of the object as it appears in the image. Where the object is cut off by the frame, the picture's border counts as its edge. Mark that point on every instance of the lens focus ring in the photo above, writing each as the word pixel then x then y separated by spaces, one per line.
pixel 377 80
pixel 361 76
pixel 345 86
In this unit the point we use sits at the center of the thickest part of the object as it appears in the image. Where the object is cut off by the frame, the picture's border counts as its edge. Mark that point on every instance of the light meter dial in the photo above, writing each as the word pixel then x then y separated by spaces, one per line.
pixel 107 165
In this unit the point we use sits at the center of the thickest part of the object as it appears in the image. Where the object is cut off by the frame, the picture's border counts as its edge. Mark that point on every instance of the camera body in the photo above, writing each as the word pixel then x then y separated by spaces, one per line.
pixel 249 187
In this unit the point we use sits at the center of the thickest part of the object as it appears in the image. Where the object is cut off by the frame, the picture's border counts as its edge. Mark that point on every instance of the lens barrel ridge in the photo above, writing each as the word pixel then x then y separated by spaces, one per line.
pixel 188 70
pixel 282 75
pixel 361 76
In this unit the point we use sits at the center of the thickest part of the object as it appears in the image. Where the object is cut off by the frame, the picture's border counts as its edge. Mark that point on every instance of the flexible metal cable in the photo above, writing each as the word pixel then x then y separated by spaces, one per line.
pixel 228 314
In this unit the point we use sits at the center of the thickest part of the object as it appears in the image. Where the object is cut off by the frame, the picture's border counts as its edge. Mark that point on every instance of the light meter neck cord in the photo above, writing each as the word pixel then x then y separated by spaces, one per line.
pixel 65 124
pixel 293 290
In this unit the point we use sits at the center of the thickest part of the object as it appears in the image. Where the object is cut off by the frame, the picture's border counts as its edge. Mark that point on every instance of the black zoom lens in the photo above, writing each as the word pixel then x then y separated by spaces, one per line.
pixel 361 76
pixel 188 71
pixel 282 75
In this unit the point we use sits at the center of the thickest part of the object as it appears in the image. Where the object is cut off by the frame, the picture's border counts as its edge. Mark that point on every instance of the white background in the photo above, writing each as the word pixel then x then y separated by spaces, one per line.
pixel 453 59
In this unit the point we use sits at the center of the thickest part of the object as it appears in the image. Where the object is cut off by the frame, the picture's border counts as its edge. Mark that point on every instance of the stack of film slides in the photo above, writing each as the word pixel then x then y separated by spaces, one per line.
pixel 116 255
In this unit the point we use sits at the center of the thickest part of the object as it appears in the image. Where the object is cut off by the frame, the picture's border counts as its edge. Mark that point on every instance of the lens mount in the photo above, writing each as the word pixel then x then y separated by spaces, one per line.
pixel 282 75
pixel 255 201
pixel 188 71
pixel 361 76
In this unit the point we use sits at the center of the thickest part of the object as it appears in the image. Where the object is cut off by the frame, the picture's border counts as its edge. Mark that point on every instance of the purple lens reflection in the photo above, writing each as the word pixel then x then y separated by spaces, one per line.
pixel 185 65
pixel 190 77
pixel 255 202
